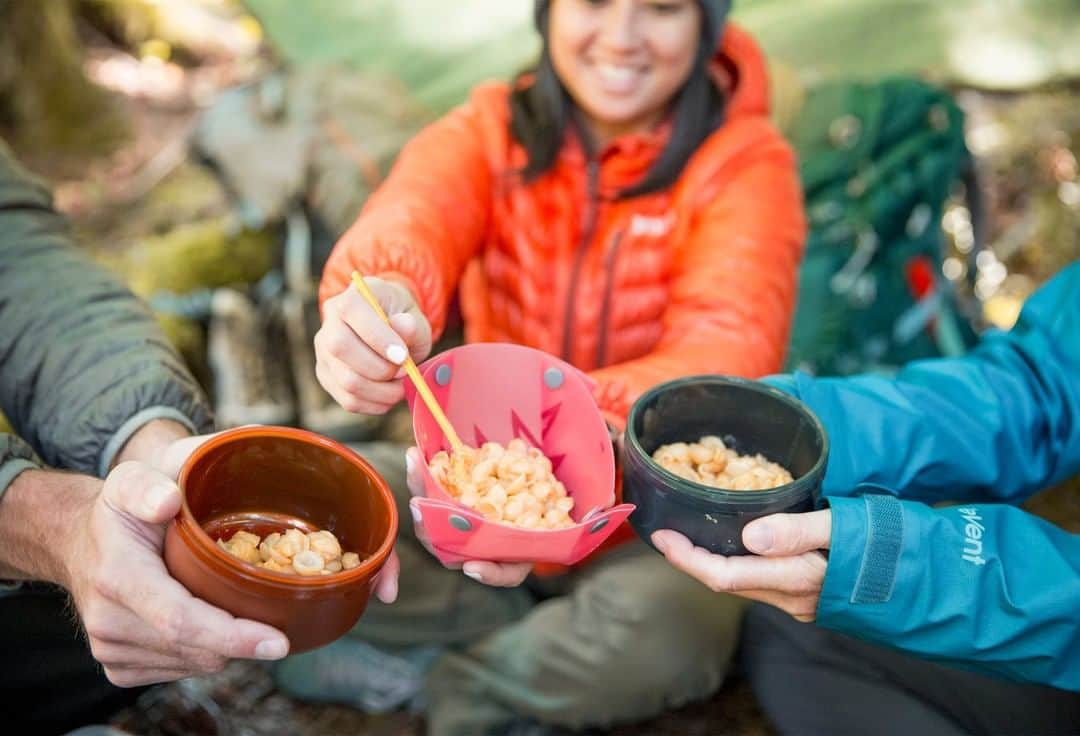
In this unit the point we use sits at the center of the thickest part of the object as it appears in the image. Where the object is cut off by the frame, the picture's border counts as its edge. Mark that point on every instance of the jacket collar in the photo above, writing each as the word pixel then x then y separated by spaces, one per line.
pixel 739 69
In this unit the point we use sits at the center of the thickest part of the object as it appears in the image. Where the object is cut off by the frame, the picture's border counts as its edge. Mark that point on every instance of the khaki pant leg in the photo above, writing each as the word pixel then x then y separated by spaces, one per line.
pixel 435 605
pixel 633 638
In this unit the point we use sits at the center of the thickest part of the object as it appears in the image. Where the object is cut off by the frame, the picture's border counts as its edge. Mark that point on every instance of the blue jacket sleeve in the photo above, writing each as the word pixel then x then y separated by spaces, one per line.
pixel 1000 423
pixel 988 587
pixel 985 587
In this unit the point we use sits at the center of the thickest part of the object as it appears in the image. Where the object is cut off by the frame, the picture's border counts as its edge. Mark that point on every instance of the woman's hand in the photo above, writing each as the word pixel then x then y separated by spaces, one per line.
pixel 498 574
pixel 358 357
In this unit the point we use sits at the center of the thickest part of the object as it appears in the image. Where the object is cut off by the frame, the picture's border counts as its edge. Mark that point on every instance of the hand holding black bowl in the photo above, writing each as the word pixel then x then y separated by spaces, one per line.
pixel 789 573
pixel 752 418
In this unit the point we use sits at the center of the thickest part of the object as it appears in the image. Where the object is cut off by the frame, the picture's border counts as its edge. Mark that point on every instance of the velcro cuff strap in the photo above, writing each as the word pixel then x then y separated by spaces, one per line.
pixel 881 557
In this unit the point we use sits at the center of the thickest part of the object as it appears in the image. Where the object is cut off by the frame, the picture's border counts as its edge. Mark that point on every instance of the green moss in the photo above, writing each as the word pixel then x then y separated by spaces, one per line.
pixel 204 254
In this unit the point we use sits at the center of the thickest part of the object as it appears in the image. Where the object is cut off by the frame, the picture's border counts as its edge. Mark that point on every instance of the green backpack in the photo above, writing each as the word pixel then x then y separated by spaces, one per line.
pixel 878 162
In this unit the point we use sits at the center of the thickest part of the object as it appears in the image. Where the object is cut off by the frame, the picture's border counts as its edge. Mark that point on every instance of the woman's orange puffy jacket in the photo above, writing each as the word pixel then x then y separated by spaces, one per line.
pixel 700 278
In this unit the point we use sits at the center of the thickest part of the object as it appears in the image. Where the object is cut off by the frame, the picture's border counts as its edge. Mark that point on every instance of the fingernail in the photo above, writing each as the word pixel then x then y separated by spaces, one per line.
pixel 410 464
pixel 758 537
pixel 154 497
pixel 469 573
pixel 416 515
pixel 271 649
pixel 406 321
pixel 659 542
pixel 396 354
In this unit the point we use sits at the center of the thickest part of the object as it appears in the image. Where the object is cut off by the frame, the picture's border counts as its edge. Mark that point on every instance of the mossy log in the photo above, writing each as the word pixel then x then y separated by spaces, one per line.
pixel 207 254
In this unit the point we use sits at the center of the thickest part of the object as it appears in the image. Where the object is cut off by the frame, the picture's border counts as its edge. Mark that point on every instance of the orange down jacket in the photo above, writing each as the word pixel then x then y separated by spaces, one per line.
pixel 700 278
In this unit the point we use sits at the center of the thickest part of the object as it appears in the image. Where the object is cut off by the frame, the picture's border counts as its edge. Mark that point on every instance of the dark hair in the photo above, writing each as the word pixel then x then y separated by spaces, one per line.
pixel 541 112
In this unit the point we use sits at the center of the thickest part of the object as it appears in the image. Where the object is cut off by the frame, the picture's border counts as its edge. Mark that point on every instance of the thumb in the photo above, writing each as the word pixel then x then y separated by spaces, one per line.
pixel 404 324
pixel 414 477
pixel 415 330
pixel 137 490
pixel 782 535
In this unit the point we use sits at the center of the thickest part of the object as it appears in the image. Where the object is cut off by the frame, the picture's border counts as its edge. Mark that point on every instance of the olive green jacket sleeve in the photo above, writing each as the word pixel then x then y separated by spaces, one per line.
pixel 83 364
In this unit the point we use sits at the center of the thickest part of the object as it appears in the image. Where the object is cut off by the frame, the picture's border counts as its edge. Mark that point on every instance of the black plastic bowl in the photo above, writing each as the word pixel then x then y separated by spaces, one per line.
pixel 751 417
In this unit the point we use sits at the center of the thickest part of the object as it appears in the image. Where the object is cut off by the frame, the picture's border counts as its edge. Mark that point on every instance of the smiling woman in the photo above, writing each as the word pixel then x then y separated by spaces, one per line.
pixel 628 207
pixel 617 67
pixel 624 61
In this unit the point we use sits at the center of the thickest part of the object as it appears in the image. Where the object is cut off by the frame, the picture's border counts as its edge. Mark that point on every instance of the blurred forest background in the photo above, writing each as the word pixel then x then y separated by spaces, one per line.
pixel 210 151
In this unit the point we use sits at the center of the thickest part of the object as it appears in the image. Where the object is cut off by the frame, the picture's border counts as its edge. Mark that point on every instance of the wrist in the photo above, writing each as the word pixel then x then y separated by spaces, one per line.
pixel 400 279
pixel 40 522
pixel 150 441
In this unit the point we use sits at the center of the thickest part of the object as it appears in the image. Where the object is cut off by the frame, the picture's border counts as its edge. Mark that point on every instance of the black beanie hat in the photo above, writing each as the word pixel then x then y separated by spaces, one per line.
pixel 715 11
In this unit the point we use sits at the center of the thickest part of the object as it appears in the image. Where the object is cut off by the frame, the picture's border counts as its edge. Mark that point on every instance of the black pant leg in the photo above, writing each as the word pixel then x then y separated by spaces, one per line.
pixel 813 681
pixel 49 682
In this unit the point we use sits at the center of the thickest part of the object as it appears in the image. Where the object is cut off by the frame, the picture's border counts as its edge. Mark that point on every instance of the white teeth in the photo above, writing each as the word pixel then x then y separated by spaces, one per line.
pixel 617 74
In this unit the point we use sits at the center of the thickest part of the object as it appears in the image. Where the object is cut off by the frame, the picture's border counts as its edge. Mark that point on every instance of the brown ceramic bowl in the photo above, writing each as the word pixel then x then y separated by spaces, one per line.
pixel 265 479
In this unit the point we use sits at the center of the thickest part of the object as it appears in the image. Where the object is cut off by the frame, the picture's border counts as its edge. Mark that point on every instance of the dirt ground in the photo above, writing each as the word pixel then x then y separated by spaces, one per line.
pixel 242 701
pixel 1027 142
